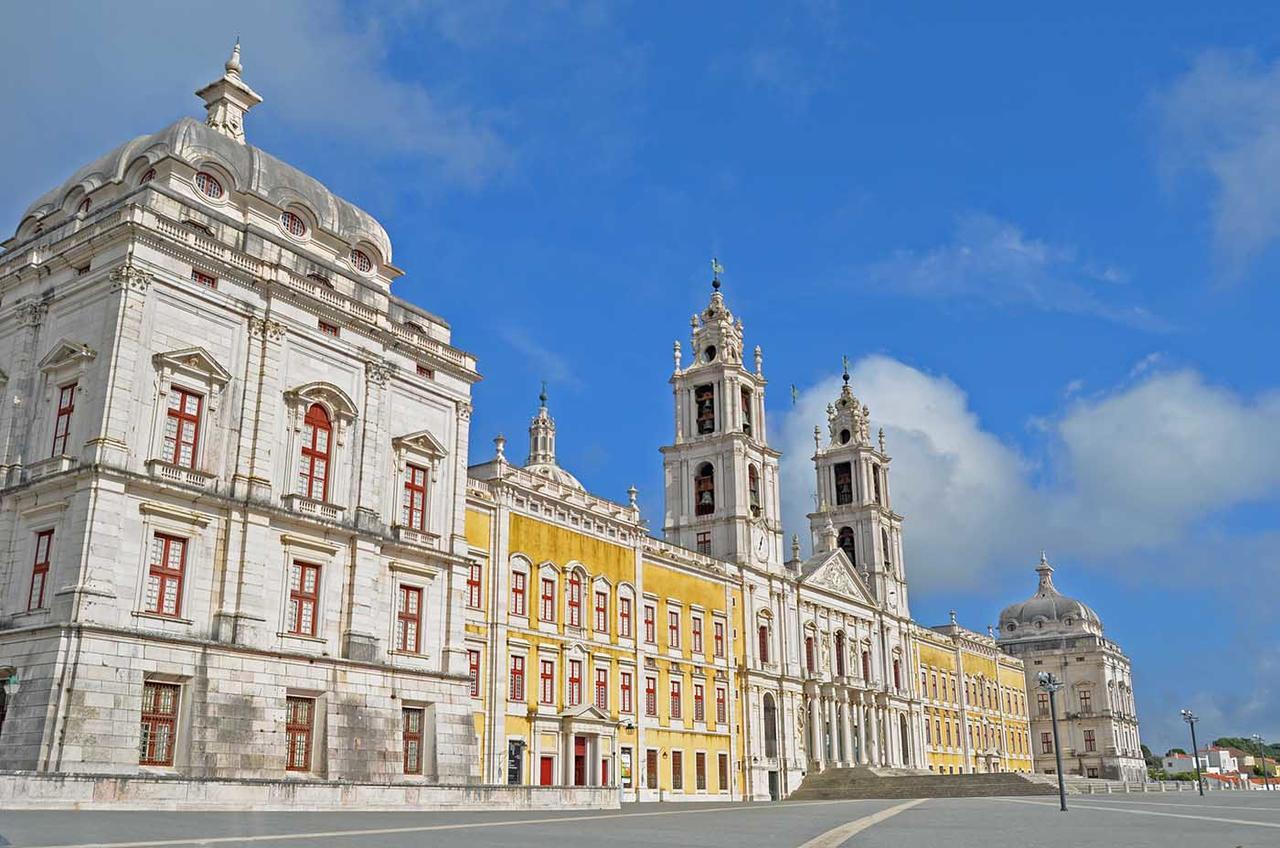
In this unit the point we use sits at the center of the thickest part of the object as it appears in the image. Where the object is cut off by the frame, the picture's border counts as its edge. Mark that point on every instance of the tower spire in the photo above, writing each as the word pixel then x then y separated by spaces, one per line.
pixel 227 99
pixel 542 433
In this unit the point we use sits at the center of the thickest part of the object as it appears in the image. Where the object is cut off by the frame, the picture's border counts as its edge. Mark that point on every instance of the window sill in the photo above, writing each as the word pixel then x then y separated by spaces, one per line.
pixel 181 475
pixel 413 655
pixel 304 505
pixel 52 465
pixel 302 637
pixel 411 536
pixel 157 616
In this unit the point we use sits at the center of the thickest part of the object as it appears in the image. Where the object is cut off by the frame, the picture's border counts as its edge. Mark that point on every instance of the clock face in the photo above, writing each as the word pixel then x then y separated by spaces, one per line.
pixel 762 544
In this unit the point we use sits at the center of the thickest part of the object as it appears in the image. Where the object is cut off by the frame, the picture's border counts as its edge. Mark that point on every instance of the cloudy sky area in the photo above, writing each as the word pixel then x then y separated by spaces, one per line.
pixel 1048 247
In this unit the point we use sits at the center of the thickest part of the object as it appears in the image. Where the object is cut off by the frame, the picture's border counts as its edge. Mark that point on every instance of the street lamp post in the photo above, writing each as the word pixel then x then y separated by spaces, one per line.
pixel 1191 718
pixel 1051 685
pixel 1262 752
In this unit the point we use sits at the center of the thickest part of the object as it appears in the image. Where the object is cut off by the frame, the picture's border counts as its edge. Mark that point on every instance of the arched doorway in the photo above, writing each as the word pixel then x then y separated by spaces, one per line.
pixel 906 745
pixel 771 744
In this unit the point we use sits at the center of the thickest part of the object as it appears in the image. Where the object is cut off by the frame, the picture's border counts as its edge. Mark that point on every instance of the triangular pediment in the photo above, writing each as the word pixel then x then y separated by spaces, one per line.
pixel 422 442
pixel 833 571
pixel 193 360
pixel 588 712
pixel 66 352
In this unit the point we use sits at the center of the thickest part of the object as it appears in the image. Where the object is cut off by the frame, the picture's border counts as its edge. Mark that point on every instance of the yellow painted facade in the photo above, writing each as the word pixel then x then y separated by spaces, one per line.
pixel 975 704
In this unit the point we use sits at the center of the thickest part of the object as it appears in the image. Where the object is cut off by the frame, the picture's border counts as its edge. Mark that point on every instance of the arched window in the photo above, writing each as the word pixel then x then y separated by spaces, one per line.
pixel 770 726
pixel 361 261
pixel 884 543
pixel 84 206
pixel 810 661
pixel 573 603
pixel 293 224
pixel 313 470
pixel 845 542
pixel 897 675
pixel 866 665
pixel 764 643
pixel 840 654
pixel 753 490
pixel 148 176
pixel 208 185
pixel 704 490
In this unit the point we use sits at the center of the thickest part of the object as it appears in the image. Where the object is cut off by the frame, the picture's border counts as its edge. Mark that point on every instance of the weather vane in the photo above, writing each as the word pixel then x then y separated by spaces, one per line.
pixel 795 395
pixel 716 270
pixel 844 362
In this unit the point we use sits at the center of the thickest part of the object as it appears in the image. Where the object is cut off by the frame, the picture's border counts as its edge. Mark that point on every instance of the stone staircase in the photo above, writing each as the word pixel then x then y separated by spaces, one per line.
pixel 862 782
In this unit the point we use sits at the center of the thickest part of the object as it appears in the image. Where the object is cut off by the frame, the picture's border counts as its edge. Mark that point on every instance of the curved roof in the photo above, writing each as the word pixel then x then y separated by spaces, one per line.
pixel 1048 610
pixel 252 170
pixel 554 472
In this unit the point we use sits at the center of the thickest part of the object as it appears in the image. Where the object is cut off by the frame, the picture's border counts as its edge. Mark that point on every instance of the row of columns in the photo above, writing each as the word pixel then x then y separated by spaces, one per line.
pixel 844 732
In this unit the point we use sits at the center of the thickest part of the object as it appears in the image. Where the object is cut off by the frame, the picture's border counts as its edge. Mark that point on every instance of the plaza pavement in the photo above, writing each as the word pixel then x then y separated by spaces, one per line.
pixel 1133 821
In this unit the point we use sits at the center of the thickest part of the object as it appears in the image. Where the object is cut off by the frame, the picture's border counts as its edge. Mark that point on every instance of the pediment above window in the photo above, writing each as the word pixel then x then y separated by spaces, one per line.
pixel 195 362
pixel 421 443
pixel 337 402
pixel 67 355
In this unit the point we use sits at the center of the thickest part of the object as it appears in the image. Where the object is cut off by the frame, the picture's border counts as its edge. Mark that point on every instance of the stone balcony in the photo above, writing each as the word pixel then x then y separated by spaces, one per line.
pixel 170 473
pixel 304 505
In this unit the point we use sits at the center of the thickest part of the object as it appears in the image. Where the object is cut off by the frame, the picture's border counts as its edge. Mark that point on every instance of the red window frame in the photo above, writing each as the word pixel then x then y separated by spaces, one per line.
pixel 207 280
pixel 424 371
pixel 182 427
pixel 473 585
pixel 651 696
pixel 763 636
pixel 717 628
pixel 409 619
pixel 722 771
pixel 518 593
pixel 700 771
pixel 293 223
pixel 624 617
pixel 516 691
pixel 866 670
pixel 298 724
pixel 412 740
pixel 304 598
pixel 328 329
pixel 573 605
pixel 361 261
pixel 473 671
pixel 1090 741
pixel 62 421
pixel 575 682
pixel 699 703
pixel 208 184
pixel 840 648
pixel 722 706
pixel 602 689
pixel 677 699
pixel 808 654
pixel 548 598
pixel 547 675
pixel 626 704
pixel 413 512
pixel 317 452
pixel 159 723
pixel 1046 742
pixel 897 675
pixel 602 612
pixel 650 627
pixel 166 574
pixel 673 629
pixel 695 636
pixel 40 570
pixel 677 770
pixel 703 542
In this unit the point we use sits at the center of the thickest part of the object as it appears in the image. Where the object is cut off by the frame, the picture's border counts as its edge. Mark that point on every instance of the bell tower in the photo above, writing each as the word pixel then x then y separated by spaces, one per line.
pixel 721 476
pixel 853 498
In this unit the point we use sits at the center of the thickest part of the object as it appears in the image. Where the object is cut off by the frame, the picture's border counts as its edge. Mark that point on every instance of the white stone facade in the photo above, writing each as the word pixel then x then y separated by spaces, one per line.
pixel 239 571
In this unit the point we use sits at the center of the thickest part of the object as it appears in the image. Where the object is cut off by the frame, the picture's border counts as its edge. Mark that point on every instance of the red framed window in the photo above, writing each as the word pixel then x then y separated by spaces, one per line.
pixel 624 618
pixel 602 612
pixel 722 706
pixel 40 570
pixel 699 703
pixel 159 724
pixel 207 280
pixel 1090 742
pixel 548 600
pixel 673 629
pixel 317 442
pixel 602 689
pixel 717 630
pixel 304 595
pixel 62 423
pixel 703 542
pixel 1046 742
pixel 840 661
pixel 627 705
pixel 650 631
pixel 547 682
pixel 866 670
pixel 148 176
pixel 300 714
pixel 424 371
pixel 700 771
pixel 517 679
pixel 165 575
pixel 722 769
pixel 651 696
pixel 677 700
pixel 473 585
pixel 808 654
pixel 575 682
pixel 412 741
pixel 409 620
pixel 182 427
pixel 208 185
pixel 677 770
pixel 361 261
pixel 413 511
pixel 473 671
pixel 293 224
pixel 573 611
pixel 897 675
pixel 695 635
pixel 763 634
pixel 328 329
pixel 518 593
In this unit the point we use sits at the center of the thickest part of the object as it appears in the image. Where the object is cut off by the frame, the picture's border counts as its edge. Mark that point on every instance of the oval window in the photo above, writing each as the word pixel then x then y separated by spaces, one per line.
pixel 293 224
pixel 84 205
pixel 710 353
pixel 148 176
pixel 845 436
pixel 208 185
pixel 361 261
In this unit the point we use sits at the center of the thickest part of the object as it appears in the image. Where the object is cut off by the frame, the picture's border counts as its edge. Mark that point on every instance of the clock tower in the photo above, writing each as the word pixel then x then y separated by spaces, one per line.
pixel 721 476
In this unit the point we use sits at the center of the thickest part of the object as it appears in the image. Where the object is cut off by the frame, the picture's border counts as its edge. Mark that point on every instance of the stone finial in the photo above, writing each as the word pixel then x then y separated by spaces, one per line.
pixel 676 353
pixel 759 361
pixel 881 437
pixel 953 617
pixel 828 535
pixel 632 492
pixel 227 99
pixel 500 447
pixel 991 632
pixel 817 437
pixel 795 547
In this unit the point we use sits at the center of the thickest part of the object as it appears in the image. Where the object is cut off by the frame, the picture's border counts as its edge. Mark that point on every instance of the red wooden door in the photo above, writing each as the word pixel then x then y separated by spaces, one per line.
pixel 604 772
pixel 547 771
pixel 579 761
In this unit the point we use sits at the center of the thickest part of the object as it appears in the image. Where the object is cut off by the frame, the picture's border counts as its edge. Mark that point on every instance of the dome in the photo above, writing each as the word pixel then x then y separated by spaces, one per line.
pixel 1048 610
pixel 554 472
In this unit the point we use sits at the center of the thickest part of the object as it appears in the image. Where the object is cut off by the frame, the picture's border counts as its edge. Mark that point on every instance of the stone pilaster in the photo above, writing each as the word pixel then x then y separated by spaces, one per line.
pixel 126 352
pixel 254 470
pixel 17 406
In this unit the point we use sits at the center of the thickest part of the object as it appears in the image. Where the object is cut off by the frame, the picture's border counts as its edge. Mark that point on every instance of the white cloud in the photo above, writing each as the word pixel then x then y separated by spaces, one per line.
pixel 993 261
pixel 1222 118
pixel 1130 471
pixel 542 361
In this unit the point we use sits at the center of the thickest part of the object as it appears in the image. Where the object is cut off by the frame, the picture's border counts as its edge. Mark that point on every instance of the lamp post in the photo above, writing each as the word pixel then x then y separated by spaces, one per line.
pixel 1191 718
pixel 1051 685
pixel 1262 752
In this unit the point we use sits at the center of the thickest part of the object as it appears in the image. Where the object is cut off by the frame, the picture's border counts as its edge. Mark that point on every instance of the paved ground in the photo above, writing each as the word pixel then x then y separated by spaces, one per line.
pixel 1134 821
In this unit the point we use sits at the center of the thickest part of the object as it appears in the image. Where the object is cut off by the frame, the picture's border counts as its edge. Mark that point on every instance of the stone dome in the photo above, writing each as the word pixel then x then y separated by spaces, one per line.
pixel 554 472
pixel 1048 610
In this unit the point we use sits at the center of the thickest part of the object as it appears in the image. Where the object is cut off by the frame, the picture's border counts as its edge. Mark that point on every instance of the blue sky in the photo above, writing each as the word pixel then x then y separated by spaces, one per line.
pixel 1046 238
